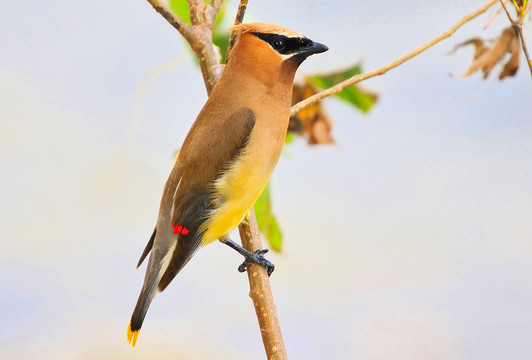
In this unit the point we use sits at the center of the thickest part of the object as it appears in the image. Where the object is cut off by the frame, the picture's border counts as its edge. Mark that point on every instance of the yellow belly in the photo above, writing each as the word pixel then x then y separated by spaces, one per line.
pixel 235 193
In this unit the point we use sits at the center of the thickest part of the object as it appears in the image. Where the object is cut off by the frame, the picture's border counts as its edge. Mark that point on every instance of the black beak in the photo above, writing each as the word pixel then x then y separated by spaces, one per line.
pixel 313 48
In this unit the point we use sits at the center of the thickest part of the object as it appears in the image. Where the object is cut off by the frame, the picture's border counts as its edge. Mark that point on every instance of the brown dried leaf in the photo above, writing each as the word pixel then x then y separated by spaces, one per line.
pixel 321 132
pixel 485 57
pixel 510 68
pixel 311 121
pixel 480 48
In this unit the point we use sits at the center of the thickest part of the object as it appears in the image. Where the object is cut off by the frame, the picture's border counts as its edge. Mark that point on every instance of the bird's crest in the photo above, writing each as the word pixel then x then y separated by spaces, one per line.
pixel 264 28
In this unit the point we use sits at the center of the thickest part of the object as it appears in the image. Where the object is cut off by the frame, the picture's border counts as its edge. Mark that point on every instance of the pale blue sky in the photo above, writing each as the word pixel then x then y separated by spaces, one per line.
pixel 411 239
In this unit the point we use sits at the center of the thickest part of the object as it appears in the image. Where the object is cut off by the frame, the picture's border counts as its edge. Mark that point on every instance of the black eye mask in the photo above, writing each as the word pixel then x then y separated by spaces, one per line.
pixel 283 44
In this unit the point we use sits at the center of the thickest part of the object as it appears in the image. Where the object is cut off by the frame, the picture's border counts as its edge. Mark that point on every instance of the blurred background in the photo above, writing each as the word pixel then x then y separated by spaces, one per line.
pixel 409 239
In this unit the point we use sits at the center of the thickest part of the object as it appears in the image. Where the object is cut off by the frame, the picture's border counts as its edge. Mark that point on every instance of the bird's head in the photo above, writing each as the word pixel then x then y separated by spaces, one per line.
pixel 268 47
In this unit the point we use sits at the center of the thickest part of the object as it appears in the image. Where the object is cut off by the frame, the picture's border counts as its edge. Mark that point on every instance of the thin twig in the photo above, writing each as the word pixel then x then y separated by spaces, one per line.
pixel 357 78
pixel 525 49
pixel 519 27
pixel 499 10
pixel 238 20
pixel 507 12
pixel 187 31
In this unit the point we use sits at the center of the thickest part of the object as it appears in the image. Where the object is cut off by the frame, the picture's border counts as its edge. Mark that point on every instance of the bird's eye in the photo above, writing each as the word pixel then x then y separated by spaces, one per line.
pixel 278 44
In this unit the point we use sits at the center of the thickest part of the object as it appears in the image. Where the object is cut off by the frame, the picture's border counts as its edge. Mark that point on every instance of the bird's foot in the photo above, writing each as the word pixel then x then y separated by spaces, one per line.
pixel 252 257
pixel 257 258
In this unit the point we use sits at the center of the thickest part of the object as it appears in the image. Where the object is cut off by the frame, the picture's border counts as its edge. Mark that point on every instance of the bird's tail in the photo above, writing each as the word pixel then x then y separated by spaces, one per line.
pixel 148 292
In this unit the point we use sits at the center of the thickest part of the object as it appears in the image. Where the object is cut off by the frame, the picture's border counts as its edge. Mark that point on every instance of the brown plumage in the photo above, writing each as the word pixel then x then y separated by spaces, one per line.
pixel 228 155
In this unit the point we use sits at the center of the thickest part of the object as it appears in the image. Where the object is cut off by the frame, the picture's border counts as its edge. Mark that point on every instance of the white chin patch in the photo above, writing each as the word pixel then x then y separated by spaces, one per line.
pixel 286 56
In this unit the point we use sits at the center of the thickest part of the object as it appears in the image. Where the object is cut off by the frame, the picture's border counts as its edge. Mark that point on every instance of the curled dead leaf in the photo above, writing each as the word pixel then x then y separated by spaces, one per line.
pixel 511 67
pixel 485 57
pixel 311 121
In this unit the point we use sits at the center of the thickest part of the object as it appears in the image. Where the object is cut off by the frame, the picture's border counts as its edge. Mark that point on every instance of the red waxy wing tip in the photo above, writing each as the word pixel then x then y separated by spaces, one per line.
pixel 180 229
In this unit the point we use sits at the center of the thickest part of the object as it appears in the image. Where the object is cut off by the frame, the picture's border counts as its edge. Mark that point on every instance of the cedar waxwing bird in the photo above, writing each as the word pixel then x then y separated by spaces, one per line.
pixel 227 157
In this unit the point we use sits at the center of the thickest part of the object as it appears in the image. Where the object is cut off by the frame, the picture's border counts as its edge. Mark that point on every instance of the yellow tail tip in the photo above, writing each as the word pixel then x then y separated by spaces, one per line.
pixel 132 336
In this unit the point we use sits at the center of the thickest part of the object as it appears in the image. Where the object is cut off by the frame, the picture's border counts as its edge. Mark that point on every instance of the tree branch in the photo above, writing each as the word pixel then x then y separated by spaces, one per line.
pixel 519 27
pixel 198 36
pixel 261 293
pixel 193 7
pixel 184 29
pixel 357 78
pixel 216 5
pixel 209 58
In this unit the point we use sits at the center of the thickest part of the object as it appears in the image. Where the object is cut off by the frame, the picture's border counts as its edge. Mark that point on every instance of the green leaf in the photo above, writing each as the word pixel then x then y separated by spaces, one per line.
pixel 180 7
pixel 362 99
pixel 266 220
pixel 290 137
pixel 220 38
